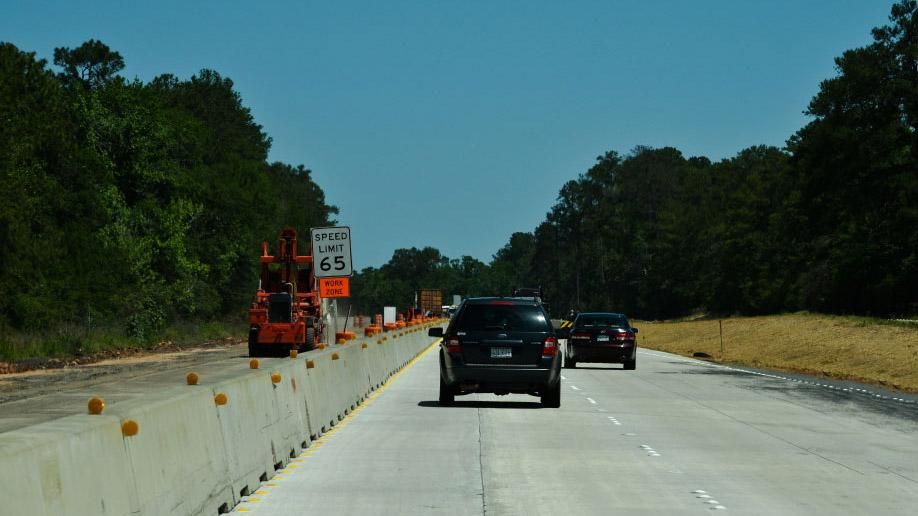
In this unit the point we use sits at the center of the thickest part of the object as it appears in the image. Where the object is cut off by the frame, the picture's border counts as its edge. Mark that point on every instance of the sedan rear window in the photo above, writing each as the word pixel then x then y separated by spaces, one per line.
pixel 601 321
pixel 508 317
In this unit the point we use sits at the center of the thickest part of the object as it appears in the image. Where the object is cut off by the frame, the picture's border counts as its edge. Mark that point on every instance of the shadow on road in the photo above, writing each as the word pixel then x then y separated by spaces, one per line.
pixel 594 368
pixel 707 371
pixel 856 403
pixel 483 404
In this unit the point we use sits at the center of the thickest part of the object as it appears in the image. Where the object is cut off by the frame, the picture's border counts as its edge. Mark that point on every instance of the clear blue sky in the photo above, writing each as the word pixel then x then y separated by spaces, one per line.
pixel 454 123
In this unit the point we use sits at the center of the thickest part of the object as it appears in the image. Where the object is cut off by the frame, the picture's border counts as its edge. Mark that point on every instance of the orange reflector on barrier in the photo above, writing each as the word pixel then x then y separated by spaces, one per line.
pixel 96 406
pixel 130 428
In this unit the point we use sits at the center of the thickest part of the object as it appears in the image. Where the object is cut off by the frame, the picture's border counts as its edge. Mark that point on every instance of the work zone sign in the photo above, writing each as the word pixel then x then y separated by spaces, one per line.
pixel 334 287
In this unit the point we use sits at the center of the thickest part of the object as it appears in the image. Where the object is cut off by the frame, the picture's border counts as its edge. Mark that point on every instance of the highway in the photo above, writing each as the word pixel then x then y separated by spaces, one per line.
pixel 676 436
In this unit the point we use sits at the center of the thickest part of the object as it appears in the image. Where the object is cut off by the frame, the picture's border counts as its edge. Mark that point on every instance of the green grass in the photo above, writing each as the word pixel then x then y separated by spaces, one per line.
pixel 71 341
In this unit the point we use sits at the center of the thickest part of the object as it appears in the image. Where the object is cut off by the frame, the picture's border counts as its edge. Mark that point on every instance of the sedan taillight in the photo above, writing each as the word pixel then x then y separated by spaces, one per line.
pixel 550 348
pixel 623 336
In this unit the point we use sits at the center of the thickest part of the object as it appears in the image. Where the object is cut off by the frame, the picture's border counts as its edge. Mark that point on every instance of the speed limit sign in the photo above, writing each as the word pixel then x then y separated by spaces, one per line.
pixel 331 252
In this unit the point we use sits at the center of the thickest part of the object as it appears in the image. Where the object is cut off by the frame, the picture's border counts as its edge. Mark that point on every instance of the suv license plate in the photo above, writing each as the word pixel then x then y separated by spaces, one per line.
pixel 501 352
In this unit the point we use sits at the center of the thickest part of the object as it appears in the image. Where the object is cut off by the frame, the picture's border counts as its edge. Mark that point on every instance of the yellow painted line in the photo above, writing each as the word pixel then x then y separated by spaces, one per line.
pixel 321 440
pixel 261 492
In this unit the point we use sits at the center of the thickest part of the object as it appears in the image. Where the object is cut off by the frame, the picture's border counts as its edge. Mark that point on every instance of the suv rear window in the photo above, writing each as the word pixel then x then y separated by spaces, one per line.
pixel 601 321
pixel 509 317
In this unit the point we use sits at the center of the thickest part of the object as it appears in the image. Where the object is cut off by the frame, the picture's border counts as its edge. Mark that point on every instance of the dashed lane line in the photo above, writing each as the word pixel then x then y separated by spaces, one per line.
pixel 703 495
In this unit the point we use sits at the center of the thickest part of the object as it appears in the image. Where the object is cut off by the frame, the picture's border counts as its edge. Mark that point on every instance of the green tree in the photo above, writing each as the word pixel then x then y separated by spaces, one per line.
pixel 855 166
pixel 92 64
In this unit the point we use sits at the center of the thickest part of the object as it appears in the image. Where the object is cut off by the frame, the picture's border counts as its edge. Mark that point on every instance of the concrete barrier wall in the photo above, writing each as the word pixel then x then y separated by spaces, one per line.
pixel 177 453
pixel 72 466
pixel 192 456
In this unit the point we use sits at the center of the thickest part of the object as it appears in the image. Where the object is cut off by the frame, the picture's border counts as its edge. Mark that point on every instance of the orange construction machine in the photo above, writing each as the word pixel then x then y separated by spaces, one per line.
pixel 287 312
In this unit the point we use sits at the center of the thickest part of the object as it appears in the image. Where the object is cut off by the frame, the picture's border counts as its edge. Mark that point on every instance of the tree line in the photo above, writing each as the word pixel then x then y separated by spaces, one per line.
pixel 129 204
pixel 829 223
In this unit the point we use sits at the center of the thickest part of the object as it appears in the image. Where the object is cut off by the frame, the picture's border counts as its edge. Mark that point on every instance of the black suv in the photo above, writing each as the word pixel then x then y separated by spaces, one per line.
pixel 500 345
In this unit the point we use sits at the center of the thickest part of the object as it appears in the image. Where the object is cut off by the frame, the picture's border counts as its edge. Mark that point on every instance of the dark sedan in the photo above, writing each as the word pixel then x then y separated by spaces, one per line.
pixel 602 337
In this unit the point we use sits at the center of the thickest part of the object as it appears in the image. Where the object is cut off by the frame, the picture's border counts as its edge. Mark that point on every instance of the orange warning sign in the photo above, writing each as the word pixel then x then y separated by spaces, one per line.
pixel 335 287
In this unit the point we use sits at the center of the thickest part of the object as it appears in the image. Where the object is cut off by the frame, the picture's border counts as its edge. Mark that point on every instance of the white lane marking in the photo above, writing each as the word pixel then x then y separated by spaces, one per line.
pixel 563 377
pixel 650 451
pixel 591 400
pixel 779 377
pixel 575 387
pixel 708 499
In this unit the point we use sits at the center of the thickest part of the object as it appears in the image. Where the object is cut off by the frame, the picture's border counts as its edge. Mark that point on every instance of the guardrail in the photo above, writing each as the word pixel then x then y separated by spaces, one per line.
pixel 199 447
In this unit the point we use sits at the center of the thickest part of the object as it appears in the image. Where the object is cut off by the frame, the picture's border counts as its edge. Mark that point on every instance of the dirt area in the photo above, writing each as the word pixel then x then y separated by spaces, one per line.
pixel 39 377
pixel 837 347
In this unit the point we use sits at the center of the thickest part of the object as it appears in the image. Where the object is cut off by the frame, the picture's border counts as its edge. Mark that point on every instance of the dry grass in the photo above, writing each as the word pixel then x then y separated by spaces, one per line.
pixel 840 347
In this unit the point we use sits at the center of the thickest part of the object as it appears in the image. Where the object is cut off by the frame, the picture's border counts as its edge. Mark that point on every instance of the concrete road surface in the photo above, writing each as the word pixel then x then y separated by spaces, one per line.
pixel 676 436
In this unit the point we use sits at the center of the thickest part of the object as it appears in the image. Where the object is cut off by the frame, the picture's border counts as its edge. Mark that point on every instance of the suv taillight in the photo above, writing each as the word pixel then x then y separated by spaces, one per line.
pixel 550 348
pixel 453 346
